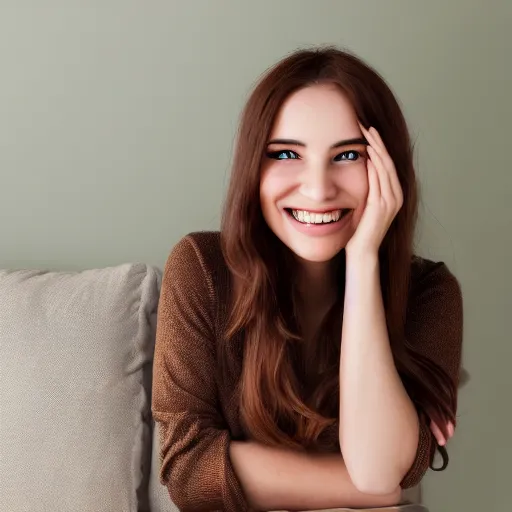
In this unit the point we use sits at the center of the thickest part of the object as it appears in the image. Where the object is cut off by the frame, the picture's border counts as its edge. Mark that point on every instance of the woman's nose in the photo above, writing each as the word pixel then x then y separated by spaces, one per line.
pixel 318 185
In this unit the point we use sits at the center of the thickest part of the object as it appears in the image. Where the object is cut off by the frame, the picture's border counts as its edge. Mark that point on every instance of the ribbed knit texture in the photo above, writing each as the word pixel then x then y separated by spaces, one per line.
pixel 198 414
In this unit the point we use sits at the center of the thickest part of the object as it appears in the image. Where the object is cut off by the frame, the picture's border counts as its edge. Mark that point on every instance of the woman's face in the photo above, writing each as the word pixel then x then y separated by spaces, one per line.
pixel 314 178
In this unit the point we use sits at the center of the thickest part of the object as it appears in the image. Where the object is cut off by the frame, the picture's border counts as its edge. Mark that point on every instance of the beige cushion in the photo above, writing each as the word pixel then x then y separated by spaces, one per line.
pixel 75 353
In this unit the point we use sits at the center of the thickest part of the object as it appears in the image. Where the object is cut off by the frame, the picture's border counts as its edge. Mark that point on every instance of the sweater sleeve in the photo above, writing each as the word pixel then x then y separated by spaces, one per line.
pixel 194 439
pixel 434 328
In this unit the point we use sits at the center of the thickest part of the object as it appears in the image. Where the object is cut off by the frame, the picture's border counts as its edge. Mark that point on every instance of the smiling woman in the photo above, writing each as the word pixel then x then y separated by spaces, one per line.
pixel 315 165
pixel 306 358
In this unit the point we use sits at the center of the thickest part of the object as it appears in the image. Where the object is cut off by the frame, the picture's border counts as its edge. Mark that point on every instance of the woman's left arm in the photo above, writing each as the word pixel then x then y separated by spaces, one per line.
pixel 382 440
pixel 379 427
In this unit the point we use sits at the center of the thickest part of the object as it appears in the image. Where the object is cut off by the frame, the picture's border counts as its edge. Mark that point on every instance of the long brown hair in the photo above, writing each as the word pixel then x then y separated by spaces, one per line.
pixel 275 406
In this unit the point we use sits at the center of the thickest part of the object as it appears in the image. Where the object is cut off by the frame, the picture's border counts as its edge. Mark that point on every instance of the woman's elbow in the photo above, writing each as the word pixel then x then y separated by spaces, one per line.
pixel 187 498
pixel 184 486
pixel 373 483
pixel 377 488
pixel 371 477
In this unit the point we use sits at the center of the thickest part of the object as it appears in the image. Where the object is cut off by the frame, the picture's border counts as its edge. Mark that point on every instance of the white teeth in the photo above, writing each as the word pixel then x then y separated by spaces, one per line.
pixel 317 218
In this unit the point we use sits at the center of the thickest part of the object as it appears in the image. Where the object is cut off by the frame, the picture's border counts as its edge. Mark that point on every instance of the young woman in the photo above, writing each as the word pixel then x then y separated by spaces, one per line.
pixel 305 357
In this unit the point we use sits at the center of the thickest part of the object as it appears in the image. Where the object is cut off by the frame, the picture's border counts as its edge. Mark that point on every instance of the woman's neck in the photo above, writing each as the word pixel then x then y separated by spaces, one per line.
pixel 318 291
pixel 317 284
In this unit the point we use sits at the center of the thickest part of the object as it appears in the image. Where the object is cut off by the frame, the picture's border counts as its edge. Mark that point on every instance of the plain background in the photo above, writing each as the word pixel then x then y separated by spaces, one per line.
pixel 117 121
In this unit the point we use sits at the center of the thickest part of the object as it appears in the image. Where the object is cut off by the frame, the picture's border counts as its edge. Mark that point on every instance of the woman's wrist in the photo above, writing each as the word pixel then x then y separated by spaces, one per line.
pixel 355 258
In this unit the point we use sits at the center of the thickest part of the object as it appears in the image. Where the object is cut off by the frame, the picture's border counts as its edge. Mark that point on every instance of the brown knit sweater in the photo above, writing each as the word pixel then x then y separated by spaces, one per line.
pixel 197 413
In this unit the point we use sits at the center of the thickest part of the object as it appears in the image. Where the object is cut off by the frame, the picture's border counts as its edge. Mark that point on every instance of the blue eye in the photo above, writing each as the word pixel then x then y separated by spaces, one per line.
pixel 350 156
pixel 283 155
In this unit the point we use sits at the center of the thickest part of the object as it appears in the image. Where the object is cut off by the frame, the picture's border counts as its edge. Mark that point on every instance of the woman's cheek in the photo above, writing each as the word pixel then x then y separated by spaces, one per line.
pixel 275 184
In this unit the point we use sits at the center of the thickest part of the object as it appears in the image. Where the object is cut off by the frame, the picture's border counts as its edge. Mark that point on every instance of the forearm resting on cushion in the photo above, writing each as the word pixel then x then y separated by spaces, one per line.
pixel 277 479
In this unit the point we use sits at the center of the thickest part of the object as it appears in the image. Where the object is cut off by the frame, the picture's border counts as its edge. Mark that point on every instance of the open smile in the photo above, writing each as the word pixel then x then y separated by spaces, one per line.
pixel 318 218
pixel 319 223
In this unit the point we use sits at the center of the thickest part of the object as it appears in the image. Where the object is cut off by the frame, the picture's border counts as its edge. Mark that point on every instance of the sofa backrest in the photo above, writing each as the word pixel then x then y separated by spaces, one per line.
pixel 75 372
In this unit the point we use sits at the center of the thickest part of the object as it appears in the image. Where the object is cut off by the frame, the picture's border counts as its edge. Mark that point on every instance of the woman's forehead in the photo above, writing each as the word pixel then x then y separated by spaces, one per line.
pixel 316 114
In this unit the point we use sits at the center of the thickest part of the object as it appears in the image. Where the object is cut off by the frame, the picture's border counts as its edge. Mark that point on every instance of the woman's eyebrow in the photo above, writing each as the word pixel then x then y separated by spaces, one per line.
pixel 294 142
pixel 348 142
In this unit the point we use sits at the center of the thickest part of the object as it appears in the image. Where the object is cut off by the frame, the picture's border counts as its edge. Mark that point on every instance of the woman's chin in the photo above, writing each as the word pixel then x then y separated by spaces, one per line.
pixel 316 254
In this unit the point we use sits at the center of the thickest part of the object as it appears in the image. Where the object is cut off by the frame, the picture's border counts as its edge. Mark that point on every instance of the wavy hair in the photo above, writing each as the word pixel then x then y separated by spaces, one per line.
pixel 275 406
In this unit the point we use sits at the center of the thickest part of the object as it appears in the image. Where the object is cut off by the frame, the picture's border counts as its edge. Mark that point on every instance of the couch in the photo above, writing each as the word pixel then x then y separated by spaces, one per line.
pixel 76 432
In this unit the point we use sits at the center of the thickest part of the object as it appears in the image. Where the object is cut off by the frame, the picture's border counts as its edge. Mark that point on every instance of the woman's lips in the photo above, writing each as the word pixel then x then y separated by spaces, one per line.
pixel 323 229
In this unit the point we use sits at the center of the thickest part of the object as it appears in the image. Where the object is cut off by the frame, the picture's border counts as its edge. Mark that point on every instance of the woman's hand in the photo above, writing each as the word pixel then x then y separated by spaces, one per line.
pixel 384 199
pixel 441 439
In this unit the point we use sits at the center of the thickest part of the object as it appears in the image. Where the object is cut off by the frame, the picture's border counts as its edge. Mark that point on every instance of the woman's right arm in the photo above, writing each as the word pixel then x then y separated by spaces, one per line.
pixel 194 438
pixel 280 479
pixel 201 467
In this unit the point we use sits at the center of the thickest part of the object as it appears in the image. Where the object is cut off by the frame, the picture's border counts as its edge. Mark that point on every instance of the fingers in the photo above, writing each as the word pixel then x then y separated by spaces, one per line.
pixel 377 138
pixel 378 152
pixel 374 190
pixel 373 137
pixel 441 441
pixel 385 184
pixel 383 174
pixel 440 437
